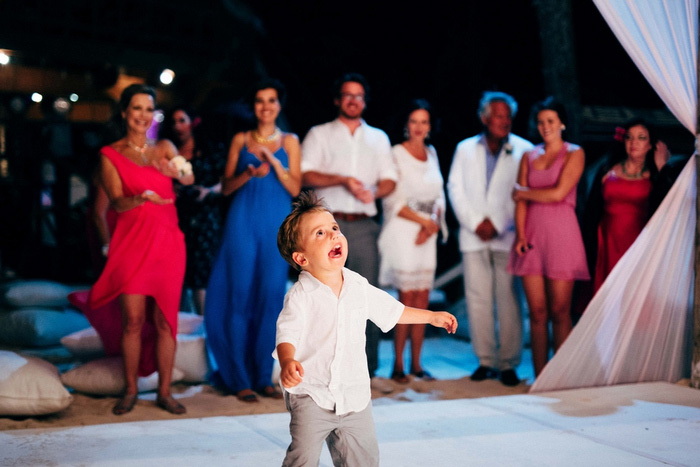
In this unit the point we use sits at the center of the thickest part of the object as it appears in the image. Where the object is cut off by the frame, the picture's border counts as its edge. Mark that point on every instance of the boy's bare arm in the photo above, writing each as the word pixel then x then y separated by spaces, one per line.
pixel 439 319
pixel 291 372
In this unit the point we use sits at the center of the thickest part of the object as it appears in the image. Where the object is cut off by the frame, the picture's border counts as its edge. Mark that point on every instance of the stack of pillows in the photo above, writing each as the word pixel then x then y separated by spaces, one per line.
pixel 36 314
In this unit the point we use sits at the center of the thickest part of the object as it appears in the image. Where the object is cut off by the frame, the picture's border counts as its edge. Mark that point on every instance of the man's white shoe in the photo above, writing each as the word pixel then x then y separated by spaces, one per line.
pixel 381 385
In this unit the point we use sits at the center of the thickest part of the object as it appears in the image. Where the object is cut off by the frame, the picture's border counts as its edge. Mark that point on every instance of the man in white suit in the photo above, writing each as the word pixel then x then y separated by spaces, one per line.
pixel 483 173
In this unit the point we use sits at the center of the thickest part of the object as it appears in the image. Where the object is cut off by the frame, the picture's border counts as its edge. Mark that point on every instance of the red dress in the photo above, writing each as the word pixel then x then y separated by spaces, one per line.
pixel 146 257
pixel 625 212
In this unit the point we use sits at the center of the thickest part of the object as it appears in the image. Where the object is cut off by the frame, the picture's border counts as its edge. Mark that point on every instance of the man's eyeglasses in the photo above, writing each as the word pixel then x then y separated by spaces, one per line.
pixel 352 97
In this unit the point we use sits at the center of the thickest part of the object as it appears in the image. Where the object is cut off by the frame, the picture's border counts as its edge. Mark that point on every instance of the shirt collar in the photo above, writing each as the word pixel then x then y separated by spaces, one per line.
pixel 310 284
pixel 337 122
pixel 482 141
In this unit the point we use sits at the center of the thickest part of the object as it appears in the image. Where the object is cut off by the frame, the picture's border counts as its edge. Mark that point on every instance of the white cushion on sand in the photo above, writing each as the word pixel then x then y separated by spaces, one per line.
pixel 35 293
pixel 105 376
pixel 30 386
pixel 190 323
pixel 85 344
pixel 191 358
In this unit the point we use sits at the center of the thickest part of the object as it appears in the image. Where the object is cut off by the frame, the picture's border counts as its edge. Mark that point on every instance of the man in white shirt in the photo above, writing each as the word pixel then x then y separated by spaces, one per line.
pixel 349 165
pixel 483 173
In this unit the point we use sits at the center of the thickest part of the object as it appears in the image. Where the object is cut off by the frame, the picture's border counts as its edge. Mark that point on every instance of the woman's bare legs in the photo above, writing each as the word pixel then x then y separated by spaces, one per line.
pixel 401 332
pixel 559 294
pixel 165 359
pixel 133 316
pixel 417 331
pixel 536 295
pixel 133 308
pixel 415 299
pixel 547 299
pixel 165 352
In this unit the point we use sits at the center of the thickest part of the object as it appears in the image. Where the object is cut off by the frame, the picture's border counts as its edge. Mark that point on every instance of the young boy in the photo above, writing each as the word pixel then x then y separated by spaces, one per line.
pixel 321 341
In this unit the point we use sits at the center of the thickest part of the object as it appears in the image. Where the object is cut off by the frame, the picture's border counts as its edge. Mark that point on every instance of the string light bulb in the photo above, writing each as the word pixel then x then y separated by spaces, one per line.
pixel 167 76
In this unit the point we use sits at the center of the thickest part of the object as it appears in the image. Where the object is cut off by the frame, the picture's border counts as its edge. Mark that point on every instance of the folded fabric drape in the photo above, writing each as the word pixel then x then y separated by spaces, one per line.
pixel 661 38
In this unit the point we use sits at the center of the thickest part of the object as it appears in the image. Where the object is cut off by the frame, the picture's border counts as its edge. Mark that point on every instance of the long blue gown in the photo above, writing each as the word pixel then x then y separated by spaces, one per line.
pixel 247 284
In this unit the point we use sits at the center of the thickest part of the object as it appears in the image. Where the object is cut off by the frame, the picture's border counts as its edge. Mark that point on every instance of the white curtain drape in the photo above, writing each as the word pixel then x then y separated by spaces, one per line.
pixel 638 326
pixel 661 37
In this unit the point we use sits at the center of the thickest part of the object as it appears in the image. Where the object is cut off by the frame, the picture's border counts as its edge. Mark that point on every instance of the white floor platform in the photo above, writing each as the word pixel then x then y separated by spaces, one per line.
pixel 633 425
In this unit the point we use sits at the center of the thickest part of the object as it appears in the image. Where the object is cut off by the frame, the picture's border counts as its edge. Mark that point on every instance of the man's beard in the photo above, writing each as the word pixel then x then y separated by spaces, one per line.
pixel 351 117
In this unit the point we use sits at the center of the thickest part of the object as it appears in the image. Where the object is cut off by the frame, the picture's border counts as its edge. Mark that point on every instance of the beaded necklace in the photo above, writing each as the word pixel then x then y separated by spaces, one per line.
pixel 140 149
pixel 632 175
pixel 266 139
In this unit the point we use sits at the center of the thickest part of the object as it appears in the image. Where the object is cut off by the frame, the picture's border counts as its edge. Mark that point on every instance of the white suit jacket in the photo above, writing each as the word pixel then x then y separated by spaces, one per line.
pixel 472 202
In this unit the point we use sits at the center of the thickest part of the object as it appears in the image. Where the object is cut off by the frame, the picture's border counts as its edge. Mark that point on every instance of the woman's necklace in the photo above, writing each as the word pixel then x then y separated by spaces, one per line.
pixel 140 149
pixel 632 175
pixel 266 139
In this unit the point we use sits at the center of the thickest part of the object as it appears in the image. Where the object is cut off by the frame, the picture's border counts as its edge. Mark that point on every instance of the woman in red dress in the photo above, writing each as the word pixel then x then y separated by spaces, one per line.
pixel 619 206
pixel 134 303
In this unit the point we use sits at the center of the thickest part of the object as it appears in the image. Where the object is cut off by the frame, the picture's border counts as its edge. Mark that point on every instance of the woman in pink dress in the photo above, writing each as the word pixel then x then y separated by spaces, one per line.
pixel 548 251
pixel 134 303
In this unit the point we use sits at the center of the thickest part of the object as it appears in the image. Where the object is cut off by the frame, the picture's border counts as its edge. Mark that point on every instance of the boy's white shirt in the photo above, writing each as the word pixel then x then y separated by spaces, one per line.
pixel 328 333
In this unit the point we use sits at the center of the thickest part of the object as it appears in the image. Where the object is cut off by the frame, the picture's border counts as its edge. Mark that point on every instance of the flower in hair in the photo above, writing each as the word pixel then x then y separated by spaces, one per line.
pixel 620 134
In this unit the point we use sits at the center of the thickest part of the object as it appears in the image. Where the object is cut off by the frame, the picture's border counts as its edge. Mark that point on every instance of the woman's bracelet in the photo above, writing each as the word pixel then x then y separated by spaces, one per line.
pixel 142 196
pixel 285 175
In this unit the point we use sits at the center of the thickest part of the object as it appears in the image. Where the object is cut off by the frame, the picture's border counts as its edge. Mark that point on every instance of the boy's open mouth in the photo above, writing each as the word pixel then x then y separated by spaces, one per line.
pixel 336 252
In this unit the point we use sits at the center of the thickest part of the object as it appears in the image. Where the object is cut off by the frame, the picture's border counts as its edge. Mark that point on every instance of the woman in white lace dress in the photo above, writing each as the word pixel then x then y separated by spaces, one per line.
pixel 413 215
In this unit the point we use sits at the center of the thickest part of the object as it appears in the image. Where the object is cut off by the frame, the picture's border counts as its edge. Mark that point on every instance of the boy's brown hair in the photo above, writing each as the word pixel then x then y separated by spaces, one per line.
pixel 288 235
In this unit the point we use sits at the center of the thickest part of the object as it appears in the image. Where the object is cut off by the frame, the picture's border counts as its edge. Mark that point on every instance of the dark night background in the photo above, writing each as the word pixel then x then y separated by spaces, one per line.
pixel 447 52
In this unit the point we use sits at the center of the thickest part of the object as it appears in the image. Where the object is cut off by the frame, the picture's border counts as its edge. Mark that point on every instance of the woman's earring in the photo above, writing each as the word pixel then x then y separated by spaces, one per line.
pixel 427 135
pixel 406 134
pixel 563 127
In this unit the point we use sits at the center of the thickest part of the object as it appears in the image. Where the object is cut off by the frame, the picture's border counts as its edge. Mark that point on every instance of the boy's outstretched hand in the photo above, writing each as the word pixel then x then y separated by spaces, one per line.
pixel 439 319
pixel 443 319
pixel 291 373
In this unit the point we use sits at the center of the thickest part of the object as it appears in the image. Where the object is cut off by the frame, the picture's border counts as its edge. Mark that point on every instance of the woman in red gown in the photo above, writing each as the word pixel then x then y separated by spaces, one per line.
pixel 134 303
pixel 626 188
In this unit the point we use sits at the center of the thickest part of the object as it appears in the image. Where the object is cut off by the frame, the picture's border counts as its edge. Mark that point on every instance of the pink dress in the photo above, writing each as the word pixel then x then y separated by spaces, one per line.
pixel 551 228
pixel 146 257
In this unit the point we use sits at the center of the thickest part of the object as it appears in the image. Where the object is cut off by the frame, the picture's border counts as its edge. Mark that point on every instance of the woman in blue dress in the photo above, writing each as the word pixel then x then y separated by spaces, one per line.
pixel 247 284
